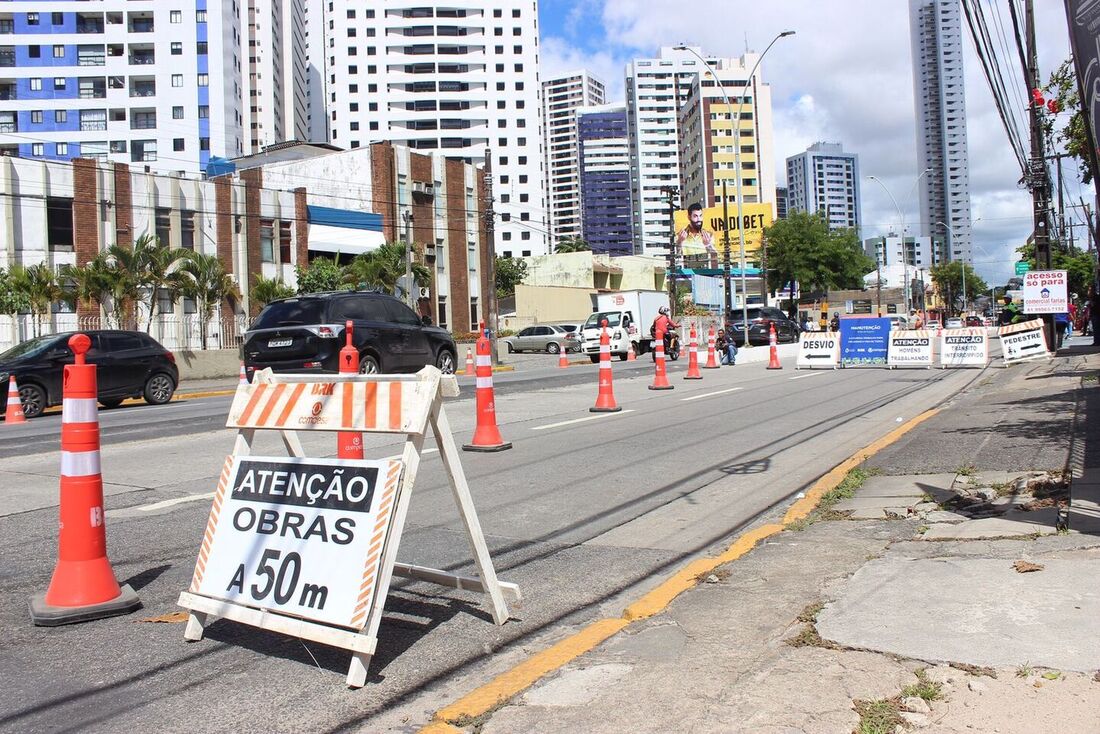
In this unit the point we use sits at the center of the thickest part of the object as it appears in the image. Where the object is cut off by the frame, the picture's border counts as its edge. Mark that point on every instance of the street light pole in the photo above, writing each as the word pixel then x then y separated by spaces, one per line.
pixel 904 259
pixel 735 132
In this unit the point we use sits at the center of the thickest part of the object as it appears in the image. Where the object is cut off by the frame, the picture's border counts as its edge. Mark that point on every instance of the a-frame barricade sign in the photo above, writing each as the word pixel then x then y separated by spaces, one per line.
pixel 308 546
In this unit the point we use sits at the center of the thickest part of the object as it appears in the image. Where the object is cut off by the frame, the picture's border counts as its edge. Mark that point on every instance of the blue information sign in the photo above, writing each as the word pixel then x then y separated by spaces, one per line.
pixel 864 341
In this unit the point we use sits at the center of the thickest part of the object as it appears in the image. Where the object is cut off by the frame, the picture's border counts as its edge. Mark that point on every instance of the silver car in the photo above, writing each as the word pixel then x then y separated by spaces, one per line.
pixel 543 338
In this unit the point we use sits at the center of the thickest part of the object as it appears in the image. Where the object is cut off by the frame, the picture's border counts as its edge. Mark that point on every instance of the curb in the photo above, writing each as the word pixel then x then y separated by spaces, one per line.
pixel 507 685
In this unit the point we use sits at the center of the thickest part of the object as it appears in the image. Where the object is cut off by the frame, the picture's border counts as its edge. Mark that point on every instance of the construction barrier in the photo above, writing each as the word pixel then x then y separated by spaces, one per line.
pixel 909 348
pixel 964 348
pixel 487 435
pixel 1024 342
pixel 660 376
pixel 712 354
pixel 693 372
pixel 13 411
pixel 773 357
pixel 818 349
pixel 83 586
pixel 605 398
pixel 307 547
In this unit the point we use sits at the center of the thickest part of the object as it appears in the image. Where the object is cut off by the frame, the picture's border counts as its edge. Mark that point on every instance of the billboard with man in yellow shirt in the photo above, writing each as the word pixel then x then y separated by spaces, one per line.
pixel 700 233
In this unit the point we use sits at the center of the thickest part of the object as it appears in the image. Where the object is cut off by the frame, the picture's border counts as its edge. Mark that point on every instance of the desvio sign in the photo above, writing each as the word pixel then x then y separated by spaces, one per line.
pixel 864 341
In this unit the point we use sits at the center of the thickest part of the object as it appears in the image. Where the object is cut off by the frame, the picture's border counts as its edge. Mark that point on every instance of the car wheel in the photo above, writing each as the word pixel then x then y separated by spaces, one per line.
pixel 595 358
pixel 159 389
pixel 510 347
pixel 553 348
pixel 368 365
pixel 34 400
pixel 624 356
pixel 111 404
pixel 445 362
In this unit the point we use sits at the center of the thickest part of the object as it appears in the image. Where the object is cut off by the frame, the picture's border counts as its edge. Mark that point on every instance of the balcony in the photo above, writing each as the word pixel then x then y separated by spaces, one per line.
pixel 8 123
pixel 140 23
pixel 91 56
pixel 142 57
pixel 7 56
pixel 86 23
pixel 95 88
pixel 7 25
pixel 7 92
pixel 143 87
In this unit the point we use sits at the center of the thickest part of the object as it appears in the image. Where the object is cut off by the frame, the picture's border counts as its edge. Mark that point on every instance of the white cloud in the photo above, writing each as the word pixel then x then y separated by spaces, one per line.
pixel 846 76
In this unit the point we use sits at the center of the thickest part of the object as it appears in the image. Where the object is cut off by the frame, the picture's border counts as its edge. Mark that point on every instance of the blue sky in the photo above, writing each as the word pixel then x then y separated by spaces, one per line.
pixel 846 76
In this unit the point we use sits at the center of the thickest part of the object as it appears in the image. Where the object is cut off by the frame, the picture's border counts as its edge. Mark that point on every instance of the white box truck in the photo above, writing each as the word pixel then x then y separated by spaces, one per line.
pixel 629 315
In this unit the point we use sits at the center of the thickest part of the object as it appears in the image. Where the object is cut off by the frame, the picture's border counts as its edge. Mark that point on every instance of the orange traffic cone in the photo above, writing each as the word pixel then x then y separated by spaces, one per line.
pixel 712 354
pixel 631 355
pixel 605 399
pixel 83 586
pixel 773 361
pixel 244 376
pixel 693 372
pixel 349 444
pixel 469 362
pixel 660 377
pixel 563 355
pixel 14 411
pixel 486 436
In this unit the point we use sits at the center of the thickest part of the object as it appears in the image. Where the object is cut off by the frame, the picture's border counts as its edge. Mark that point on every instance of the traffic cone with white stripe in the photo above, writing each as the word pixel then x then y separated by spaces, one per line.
pixel 486 436
pixel 83 586
pixel 244 376
pixel 469 362
pixel 660 377
pixel 693 372
pixel 13 413
pixel 349 444
pixel 631 354
pixel 773 361
pixel 605 399
pixel 563 355
pixel 712 353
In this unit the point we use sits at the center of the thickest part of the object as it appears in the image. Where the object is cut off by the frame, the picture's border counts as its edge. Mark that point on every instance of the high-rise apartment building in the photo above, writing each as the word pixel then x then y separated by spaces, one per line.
pixel 675 108
pixel 825 179
pixel 603 148
pixel 940 101
pixel 154 84
pixel 916 252
pixel 780 202
pixel 275 35
pixel 454 79
pixel 562 95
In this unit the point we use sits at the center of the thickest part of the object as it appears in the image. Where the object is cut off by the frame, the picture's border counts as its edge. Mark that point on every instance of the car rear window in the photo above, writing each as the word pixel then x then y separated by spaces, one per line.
pixel 295 312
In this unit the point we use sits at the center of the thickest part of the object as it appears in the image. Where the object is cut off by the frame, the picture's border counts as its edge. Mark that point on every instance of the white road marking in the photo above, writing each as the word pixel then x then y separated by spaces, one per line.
pixel 710 394
pixel 177 501
pixel 808 374
pixel 579 420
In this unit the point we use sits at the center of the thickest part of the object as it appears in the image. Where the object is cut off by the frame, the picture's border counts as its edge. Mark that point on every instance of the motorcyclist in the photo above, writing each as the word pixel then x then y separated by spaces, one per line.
pixel 834 325
pixel 664 323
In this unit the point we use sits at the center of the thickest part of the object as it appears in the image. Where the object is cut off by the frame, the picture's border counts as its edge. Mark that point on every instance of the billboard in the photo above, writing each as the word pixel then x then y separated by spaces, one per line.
pixel 700 232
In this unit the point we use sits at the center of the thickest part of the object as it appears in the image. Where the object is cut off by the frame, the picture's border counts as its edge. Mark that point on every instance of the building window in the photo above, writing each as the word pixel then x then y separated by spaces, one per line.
pixel 202 48
pixel 36 84
pixel 162 225
pixel 177 113
pixel 34 51
pixel 204 111
pixel 177 144
pixel 58 52
pixel 177 80
pixel 37 148
pixel 176 16
pixel 143 151
pixel 59 223
pixel 285 240
pixel 204 143
pixel 267 240
pixel 58 83
pixel 187 229
pixel 200 16
pixel 36 117
pixel 32 18
pixel 177 48
pixel 204 80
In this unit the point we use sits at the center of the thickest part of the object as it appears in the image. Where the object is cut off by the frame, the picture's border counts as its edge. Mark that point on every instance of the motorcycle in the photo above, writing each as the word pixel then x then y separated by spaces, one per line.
pixel 672 347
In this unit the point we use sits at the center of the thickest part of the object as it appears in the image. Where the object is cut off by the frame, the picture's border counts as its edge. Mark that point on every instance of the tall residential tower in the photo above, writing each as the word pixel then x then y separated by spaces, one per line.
pixel 604 162
pixel 825 179
pixel 562 95
pixel 940 101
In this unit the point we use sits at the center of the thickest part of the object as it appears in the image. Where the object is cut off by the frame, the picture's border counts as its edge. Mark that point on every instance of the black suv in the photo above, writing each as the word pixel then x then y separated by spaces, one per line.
pixel 306 333
pixel 129 364
pixel 760 319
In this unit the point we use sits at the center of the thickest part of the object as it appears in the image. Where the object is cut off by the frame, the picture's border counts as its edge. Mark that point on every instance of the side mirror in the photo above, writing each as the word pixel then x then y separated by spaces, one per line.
pixel 426 320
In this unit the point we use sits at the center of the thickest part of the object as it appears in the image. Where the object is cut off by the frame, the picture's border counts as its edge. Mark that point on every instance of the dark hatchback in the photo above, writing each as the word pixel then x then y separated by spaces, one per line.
pixel 129 364
pixel 306 334
pixel 761 318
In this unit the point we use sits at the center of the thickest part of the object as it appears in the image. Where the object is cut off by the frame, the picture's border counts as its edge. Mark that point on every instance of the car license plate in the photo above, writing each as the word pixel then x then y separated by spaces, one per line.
pixel 279 343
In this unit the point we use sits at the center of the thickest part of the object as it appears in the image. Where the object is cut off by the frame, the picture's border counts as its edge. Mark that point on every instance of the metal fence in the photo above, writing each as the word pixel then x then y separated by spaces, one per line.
pixel 174 332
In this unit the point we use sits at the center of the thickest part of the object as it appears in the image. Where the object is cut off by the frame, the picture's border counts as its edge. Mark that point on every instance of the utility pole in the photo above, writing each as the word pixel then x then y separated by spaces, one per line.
pixel 410 297
pixel 878 273
pixel 1038 181
pixel 670 192
pixel 727 311
pixel 491 313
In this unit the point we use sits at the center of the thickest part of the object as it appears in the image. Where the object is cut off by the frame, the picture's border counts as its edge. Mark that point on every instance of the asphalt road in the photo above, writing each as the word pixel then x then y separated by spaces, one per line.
pixel 585 513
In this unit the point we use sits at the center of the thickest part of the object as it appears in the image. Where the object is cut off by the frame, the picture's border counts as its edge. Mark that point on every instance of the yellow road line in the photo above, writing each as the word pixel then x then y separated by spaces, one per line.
pixel 501 689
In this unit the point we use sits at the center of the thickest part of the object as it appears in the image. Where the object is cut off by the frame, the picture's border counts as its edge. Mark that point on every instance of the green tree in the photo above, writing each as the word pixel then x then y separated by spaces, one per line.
pixel 510 272
pixel 383 268
pixel 802 248
pixel 204 279
pixel 948 279
pixel 323 274
pixel 1078 265
pixel 12 302
pixel 265 290
pixel 572 244
pixel 1073 133
pixel 39 286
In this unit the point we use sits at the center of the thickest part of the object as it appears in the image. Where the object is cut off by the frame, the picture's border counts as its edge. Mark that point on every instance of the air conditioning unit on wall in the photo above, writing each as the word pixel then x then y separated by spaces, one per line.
pixel 425 292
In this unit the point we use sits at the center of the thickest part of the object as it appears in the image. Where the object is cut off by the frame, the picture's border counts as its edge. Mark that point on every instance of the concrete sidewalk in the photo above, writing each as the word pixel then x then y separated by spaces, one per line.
pixel 956 590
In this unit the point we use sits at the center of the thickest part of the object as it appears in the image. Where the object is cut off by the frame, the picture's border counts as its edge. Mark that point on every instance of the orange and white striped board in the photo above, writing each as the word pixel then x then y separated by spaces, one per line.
pixel 964 347
pixel 303 537
pixel 307 547
pixel 1024 342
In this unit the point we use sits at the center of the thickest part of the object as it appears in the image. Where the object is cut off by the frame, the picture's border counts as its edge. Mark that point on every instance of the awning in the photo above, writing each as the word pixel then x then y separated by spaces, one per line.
pixel 343 240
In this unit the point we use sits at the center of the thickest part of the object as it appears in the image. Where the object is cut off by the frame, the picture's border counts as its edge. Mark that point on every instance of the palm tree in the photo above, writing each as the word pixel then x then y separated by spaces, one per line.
pixel 383 268
pixel 205 280
pixel 266 290
pixel 145 270
pixel 39 286
pixel 572 244
pixel 89 283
